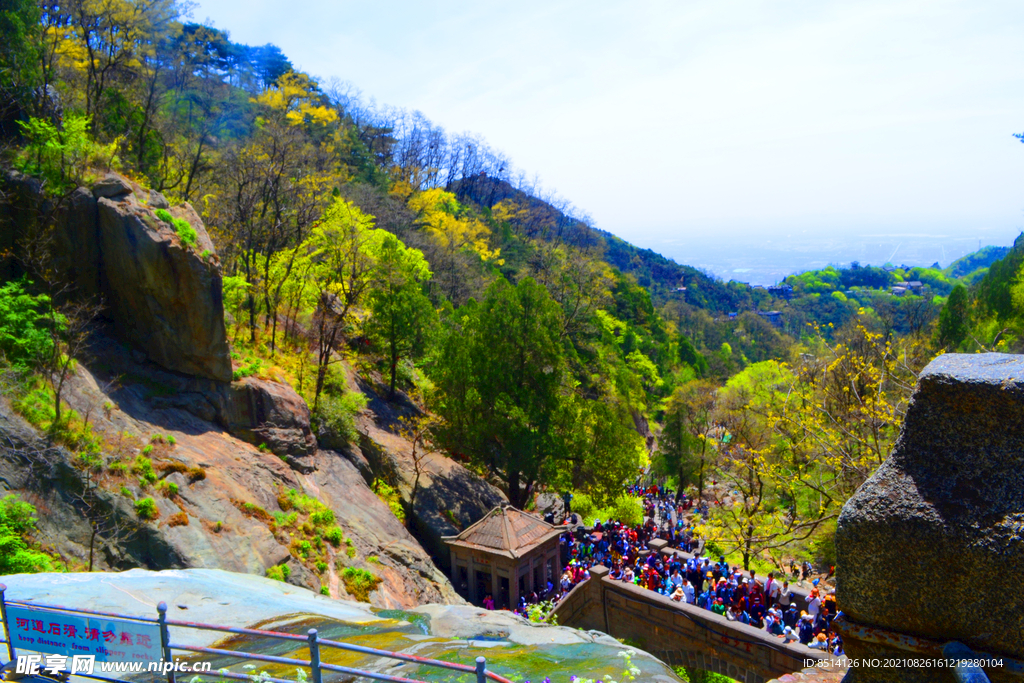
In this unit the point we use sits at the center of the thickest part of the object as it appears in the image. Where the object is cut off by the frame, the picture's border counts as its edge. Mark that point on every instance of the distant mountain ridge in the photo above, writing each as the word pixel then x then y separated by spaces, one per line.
pixel 660 275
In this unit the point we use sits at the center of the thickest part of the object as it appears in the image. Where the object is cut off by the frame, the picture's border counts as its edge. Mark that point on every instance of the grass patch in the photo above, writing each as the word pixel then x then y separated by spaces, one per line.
pixel 186 233
pixel 359 583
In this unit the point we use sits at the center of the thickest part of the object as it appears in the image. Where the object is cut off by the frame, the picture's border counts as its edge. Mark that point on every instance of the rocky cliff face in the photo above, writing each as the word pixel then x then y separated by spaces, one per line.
pixel 205 524
pixel 932 545
pixel 164 296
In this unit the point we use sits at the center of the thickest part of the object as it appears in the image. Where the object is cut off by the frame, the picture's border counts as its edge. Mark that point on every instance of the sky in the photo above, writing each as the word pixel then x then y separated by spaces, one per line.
pixel 725 124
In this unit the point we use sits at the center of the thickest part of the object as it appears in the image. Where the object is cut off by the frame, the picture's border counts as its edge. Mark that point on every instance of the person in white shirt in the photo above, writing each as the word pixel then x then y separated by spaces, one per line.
pixel 813 604
pixel 688 590
pixel 785 596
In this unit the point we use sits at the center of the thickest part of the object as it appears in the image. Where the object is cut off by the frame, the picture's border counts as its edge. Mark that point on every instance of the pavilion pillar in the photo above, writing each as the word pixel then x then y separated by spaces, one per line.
pixel 473 597
pixel 496 585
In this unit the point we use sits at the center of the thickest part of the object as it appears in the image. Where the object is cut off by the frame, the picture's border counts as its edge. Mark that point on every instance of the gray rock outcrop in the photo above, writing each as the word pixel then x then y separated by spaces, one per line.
pixel 163 296
pixel 932 545
pixel 263 412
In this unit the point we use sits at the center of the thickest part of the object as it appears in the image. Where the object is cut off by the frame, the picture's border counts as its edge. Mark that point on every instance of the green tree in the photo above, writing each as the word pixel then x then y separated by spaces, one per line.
pixel 499 381
pixel 689 355
pixel 685 446
pixel 19 56
pixel 401 314
pixel 341 249
pixel 954 319
pixel 602 451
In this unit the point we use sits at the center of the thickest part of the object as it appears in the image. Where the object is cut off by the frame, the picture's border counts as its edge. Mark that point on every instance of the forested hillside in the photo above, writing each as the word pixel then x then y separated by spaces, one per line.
pixel 541 352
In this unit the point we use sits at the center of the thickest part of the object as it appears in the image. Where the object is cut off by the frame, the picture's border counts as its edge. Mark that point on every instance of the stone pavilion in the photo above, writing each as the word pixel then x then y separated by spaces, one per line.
pixel 507 554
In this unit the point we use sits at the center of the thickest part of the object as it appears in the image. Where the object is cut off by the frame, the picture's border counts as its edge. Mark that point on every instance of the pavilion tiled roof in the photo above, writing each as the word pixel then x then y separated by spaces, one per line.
pixel 506 531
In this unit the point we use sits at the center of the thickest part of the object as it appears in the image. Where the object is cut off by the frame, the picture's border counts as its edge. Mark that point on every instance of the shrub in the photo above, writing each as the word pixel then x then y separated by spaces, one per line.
pixel 373 559
pixel 156 438
pixel 321 567
pixel 583 505
pixel 250 366
pixel 390 495
pixel 337 414
pixel 218 525
pixel 196 474
pixel 126 492
pixel 186 233
pixel 325 589
pixel 351 552
pixel 143 467
pixel 254 510
pixel 23 335
pixel 118 468
pixel 284 520
pixel 146 509
pixel 628 510
pixel 169 488
pixel 146 450
pixel 280 572
pixel 322 517
pixel 17 555
pixel 334 535
pixel 359 583
pixel 171 440
pixel 89 461
pixel 178 519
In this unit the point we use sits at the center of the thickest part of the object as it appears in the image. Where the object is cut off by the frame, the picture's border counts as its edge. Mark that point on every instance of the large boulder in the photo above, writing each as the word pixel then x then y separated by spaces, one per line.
pixel 264 412
pixel 106 243
pixel 932 545
pixel 163 296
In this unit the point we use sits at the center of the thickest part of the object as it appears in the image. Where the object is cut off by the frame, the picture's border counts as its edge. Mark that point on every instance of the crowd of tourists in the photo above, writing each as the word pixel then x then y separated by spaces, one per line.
pixel 710 583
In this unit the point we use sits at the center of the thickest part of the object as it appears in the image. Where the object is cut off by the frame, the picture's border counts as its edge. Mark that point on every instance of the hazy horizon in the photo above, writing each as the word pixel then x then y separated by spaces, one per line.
pixel 769 261
pixel 668 122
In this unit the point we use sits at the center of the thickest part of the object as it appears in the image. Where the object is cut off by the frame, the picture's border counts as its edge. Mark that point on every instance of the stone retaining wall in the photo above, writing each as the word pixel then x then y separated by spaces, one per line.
pixel 678 633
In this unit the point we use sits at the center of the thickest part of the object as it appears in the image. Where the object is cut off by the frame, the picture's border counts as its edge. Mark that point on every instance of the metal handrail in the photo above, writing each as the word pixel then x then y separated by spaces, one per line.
pixel 311 639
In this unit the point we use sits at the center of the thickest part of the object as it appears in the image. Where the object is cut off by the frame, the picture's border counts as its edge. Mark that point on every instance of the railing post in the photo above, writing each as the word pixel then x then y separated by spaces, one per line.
pixel 165 640
pixel 481 670
pixel 7 624
pixel 964 671
pixel 314 656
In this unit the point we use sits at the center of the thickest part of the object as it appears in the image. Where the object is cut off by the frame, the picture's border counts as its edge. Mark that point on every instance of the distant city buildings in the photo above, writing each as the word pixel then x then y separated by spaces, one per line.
pixel 914 287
